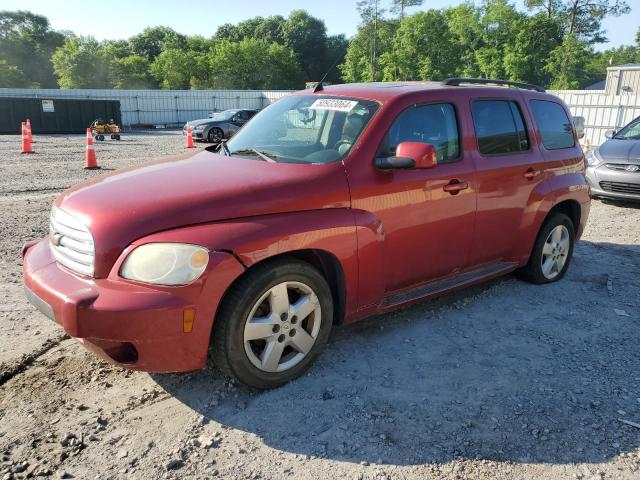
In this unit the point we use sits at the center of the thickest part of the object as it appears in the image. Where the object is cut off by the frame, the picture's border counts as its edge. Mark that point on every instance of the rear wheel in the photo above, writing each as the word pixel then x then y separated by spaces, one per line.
pixel 215 135
pixel 552 251
pixel 272 324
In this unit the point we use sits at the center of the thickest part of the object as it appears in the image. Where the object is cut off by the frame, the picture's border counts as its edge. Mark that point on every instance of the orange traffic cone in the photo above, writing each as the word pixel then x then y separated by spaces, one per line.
pixel 26 142
pixel 190 137
pixel 29 131
pixel 90 154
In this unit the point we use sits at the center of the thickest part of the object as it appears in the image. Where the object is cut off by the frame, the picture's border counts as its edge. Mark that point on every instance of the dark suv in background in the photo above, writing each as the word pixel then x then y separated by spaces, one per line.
pixel 614 167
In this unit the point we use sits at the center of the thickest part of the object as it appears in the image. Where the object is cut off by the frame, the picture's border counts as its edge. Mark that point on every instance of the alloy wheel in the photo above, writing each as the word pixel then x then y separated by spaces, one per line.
pixel 555 252
pixel 282 327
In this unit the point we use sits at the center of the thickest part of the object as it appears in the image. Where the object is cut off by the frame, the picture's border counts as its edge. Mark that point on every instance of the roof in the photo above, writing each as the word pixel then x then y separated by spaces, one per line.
pixel 625 66
pixel 383 91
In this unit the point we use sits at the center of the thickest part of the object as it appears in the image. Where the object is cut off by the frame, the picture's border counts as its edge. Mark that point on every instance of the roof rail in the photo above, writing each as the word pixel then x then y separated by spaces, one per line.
pixel 457 81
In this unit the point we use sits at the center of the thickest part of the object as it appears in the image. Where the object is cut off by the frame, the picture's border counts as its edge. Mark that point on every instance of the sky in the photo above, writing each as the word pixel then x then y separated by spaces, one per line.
pixel 116 19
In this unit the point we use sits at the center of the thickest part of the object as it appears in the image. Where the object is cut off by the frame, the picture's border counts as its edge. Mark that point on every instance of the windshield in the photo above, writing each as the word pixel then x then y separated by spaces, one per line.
pixel 630 132
pixel 222 116
pixel 304 129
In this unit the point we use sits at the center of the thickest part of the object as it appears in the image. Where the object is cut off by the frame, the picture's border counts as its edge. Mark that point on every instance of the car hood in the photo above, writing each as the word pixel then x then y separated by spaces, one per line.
pixel 627 151
pixel 204 121
pixel 126 205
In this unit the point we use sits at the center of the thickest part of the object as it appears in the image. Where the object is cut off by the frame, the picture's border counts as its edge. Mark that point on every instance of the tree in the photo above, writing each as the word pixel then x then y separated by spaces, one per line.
pixel 535 38
pixel 567 63
pixel 336 51
pixel 306 36
pixel 357 65
pixel 180 70
pixel 467 31
pixel 424 49
pixel 27 42
pixel 254 64
pixel 131 72
pixel 399 6
pixel 153 41
pixel 81 63
pixel 499 21
pixel 12 76
pixel 585 17
pixel 371 14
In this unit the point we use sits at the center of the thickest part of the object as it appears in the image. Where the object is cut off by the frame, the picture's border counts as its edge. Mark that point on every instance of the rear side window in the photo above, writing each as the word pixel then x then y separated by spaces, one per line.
pixel 499 127
pixel 554 125
pixel 435 124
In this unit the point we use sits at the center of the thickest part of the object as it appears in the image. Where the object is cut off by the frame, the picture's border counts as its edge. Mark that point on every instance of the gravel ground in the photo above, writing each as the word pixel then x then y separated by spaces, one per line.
pixel 501 381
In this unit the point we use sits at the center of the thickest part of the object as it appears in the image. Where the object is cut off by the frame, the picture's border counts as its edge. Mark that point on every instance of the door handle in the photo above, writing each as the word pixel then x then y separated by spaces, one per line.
pixel 455 186
pixel 531 173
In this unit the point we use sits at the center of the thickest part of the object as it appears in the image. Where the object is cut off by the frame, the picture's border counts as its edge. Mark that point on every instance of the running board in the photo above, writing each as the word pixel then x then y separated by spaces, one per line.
pixel 449 283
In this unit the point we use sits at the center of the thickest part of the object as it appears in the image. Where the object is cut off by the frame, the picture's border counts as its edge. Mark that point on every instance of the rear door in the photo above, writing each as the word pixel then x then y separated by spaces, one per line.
pixel 509 167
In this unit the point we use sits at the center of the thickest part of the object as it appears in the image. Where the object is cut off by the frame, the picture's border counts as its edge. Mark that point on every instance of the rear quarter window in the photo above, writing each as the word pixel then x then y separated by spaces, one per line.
pixel 555 127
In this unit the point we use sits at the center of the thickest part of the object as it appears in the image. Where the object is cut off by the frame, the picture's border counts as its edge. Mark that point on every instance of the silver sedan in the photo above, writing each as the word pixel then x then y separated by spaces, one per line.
pixel 613 169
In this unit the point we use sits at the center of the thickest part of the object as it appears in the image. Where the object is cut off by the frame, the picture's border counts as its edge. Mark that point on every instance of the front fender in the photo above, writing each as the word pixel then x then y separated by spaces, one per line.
pixel 255 239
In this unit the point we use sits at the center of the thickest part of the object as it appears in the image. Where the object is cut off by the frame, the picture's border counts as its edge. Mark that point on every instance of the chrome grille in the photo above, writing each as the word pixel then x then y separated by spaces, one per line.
pixel 71 242
pixel 619 187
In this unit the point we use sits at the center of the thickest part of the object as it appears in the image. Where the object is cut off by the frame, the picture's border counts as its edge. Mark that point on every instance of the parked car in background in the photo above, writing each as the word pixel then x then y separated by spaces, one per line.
pixel 220 125
pixel 613 169
pixel 330 206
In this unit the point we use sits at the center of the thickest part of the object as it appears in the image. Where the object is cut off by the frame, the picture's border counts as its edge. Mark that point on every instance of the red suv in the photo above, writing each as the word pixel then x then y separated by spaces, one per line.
pixel 327 207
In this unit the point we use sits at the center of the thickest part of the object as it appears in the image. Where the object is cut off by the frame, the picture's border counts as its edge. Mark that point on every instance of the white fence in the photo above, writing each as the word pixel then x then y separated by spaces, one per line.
pixel 601 111
pixel 160 107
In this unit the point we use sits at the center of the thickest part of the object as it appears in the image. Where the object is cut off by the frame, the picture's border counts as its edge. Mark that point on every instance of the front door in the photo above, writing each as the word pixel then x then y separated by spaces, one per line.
pixel 428 225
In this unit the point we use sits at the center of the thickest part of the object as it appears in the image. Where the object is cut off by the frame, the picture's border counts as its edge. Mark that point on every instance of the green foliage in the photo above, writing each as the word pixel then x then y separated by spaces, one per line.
pixel 306 36
pixel 12 76
pixel 179 70
pixel 566 64
pixel 27 42
pixel 254 64
pixel 550 42
pixel 422 49
pixel 131 72
pixel 81 63
pixel 153 41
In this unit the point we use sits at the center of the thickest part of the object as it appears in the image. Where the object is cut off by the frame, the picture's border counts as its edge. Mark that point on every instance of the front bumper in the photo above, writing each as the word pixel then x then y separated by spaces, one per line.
pixel 617 184
pixel 133 325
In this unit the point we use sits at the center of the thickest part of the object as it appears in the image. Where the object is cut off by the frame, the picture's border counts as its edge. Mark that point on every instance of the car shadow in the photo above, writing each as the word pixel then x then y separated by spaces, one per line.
pixel 503 371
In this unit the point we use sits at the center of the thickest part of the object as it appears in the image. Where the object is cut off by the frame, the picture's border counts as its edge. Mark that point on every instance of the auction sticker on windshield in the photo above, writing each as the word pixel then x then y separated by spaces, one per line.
pixel 333 104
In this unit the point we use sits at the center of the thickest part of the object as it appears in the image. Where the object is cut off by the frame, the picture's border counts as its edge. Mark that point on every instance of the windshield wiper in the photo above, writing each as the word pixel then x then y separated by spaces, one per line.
pixel 266 156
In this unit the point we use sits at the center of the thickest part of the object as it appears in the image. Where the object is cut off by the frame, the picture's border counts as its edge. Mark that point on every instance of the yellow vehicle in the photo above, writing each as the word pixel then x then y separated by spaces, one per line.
pixel 100 128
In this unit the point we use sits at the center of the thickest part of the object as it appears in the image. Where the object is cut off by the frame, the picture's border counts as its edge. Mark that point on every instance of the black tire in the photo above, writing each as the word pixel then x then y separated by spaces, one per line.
pixel 215 135
pixel 117 136
pixel 113 137
pixel 100 138
pixel 228 340
pixel 533 271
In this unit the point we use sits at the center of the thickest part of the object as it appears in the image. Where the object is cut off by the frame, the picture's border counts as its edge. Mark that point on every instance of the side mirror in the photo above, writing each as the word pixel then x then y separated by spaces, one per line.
pixel 609 134
pixel 579 123
pixel 409 155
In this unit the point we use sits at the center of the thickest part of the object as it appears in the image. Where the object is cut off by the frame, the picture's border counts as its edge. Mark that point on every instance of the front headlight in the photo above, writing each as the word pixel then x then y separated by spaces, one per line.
pixel 199 128
pixel 165 263
pixel 593 158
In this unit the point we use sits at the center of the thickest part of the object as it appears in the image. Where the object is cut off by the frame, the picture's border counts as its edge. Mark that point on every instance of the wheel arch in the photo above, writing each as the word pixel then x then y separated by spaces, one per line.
pixel 324 261
pixel 571 208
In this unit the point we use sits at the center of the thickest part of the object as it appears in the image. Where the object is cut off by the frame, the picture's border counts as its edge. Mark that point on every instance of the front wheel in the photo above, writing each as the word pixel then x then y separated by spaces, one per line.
pixel 552 251
pixel 272 324
pixel 215 135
